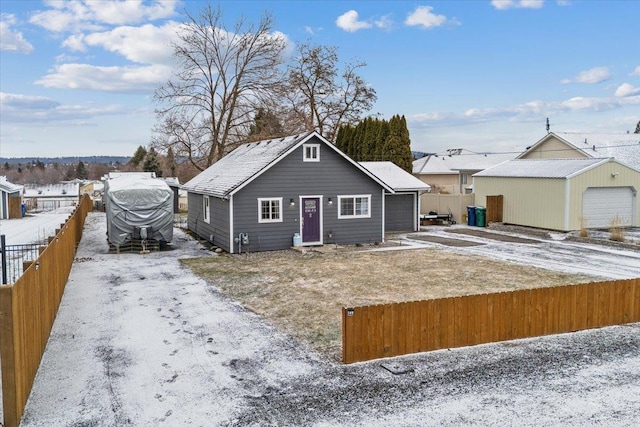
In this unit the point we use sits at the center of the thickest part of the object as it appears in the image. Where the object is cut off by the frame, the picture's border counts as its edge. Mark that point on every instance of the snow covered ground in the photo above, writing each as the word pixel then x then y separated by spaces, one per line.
pixel 34 228
pixel 139 340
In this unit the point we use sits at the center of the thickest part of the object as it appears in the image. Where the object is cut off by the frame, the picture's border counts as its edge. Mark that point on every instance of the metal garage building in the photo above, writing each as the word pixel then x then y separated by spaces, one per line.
pixel 563 194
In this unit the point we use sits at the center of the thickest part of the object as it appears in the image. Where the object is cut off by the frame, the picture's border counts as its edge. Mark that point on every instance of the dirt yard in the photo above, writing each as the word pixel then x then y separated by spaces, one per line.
pixel 303 293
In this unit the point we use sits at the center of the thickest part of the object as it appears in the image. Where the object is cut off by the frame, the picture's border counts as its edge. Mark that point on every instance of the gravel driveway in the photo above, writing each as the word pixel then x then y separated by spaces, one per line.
pixel 141 341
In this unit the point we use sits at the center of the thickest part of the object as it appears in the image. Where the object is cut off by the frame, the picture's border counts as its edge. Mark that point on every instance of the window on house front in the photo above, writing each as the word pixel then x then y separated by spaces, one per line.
pixel 311 152
pixel 354 206
pixel 206 209
pixel 465 178
pixel 270 210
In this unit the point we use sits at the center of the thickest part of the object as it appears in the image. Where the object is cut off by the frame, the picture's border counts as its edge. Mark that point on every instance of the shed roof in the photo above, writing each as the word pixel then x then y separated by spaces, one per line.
pixel 248 161
pixel 438 164
pixel 9 187
pixel 541 168
pixel 624 147
pixel 62 190
pixel 395 177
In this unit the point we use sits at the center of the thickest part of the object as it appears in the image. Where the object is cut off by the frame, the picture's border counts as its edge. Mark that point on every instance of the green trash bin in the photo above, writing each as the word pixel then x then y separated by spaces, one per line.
pixel 480 216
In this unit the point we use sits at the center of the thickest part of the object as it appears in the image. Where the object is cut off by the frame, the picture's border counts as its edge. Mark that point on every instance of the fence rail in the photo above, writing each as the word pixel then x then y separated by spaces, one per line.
pixel 28 309
pixel 387 330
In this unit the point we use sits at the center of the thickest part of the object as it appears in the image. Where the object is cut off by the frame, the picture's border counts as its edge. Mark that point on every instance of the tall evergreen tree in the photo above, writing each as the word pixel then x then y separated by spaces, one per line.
pixel 151 162
pixel 138 156
pixel 81 171
pixel 638 127
pixel 171 162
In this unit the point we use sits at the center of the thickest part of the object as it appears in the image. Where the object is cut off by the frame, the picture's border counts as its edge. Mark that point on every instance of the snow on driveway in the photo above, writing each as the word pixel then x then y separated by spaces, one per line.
pixel 139 340
pixel 599 261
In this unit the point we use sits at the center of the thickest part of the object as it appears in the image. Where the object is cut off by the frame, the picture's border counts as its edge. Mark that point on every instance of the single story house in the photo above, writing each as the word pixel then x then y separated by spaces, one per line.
pixel 10 199
pixel 451 173
pixel 50 197
pixel 563 194
pixel 402 207
pixel 624 147
pixel 296 190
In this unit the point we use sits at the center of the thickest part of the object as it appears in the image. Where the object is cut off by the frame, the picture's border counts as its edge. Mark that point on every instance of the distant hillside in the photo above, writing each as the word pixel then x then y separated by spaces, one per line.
pixel 65 160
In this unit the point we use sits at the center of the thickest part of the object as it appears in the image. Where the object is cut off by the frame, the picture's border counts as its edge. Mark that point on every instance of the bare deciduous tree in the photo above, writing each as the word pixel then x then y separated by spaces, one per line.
pixel 322 98
pixel 222 78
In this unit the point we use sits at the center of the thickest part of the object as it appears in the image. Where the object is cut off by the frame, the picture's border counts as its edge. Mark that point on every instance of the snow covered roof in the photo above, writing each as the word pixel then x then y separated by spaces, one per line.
pixel 69 189
pixel 112 175
pixel 395 177
pixel 438 164
pixel 249 161
pixel 624 147
pixel 541 168
pixel 9 187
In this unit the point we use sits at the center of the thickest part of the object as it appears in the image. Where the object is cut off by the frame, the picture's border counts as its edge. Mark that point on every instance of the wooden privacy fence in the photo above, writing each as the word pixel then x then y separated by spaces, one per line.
pixel 387 330
pixel 28 309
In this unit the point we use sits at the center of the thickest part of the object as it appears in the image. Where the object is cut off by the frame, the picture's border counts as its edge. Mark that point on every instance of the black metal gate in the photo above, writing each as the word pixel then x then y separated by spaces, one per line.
pixel 13 257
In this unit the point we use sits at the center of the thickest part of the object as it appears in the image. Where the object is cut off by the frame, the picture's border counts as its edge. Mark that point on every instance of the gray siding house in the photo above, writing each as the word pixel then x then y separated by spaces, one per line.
pixel 272 194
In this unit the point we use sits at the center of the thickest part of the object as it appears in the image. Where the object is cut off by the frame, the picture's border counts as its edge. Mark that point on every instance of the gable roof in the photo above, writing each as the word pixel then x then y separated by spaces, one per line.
pixel 247 162
pixel 395 177
pixel 438 164
pixel 9 187
pixel 624 147
pixel 541 168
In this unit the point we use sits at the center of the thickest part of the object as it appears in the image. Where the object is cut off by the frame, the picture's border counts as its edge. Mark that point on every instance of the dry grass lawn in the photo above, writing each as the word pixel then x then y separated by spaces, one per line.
pixel 303 293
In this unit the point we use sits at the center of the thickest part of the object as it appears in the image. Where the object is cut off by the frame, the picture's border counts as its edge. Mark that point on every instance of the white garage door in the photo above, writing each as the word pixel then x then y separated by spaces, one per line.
pixel 601 205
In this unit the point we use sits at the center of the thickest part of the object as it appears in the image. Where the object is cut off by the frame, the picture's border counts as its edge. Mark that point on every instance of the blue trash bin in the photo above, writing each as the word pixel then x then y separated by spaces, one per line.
pixel 471 215
pixel 23 210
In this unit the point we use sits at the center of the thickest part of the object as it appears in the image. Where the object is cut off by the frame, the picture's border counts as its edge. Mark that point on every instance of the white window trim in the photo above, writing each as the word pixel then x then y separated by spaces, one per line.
pixel 269 199
pixel 206 209
pixel 310 159
pixel 354 216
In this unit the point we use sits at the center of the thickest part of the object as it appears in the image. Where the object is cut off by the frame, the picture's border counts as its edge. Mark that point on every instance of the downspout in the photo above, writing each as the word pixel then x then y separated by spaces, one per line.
pixel 231 245
pixel 383 215
pixel 567 203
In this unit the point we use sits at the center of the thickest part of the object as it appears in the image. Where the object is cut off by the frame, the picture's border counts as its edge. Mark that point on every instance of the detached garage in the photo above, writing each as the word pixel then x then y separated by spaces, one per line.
pixel 563 194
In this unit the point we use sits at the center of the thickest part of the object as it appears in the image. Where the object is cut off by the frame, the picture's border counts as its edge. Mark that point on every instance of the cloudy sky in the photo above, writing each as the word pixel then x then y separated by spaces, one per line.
pixel 77 77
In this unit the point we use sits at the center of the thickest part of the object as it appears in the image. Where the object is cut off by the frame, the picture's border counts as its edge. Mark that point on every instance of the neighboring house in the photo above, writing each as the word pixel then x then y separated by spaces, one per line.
pixel 10 199
pixel 50 197
pixel 402 207
pixel 563 145
pixel 174 185
pixel 451 173
pixel 297 190
pixel 563 194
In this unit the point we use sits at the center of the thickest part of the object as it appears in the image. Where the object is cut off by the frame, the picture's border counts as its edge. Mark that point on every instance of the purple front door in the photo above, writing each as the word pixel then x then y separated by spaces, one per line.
pixel 311 220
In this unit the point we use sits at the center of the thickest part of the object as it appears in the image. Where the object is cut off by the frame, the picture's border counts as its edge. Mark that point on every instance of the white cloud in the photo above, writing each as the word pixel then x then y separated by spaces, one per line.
pixel 108 79
pixel 385 22
pixel 10 40
pixel 528 111
pixel 517 4
pixel 594 75
pixel 145 44
pixel 26 101
pixel 563 2
pixel 423 17
pixel 636 72
pixel 80 15
pixel 626 89
pixel 17 108
pixel 308 30
pixel 349 22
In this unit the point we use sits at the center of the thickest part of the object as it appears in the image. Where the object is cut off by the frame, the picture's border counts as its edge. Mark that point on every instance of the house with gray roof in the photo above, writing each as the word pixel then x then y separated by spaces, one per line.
pixel 10 199
pixel 450 173
pixel 624 147
pixel 296 190
pixel 563 194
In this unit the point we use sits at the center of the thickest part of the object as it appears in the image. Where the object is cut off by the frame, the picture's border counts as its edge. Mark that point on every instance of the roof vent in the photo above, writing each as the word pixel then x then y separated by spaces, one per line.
pixel 585 140
pixel 594 148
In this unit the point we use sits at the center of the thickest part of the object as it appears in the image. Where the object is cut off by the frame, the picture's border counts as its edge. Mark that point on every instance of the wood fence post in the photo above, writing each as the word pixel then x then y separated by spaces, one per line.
pixel 7 357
